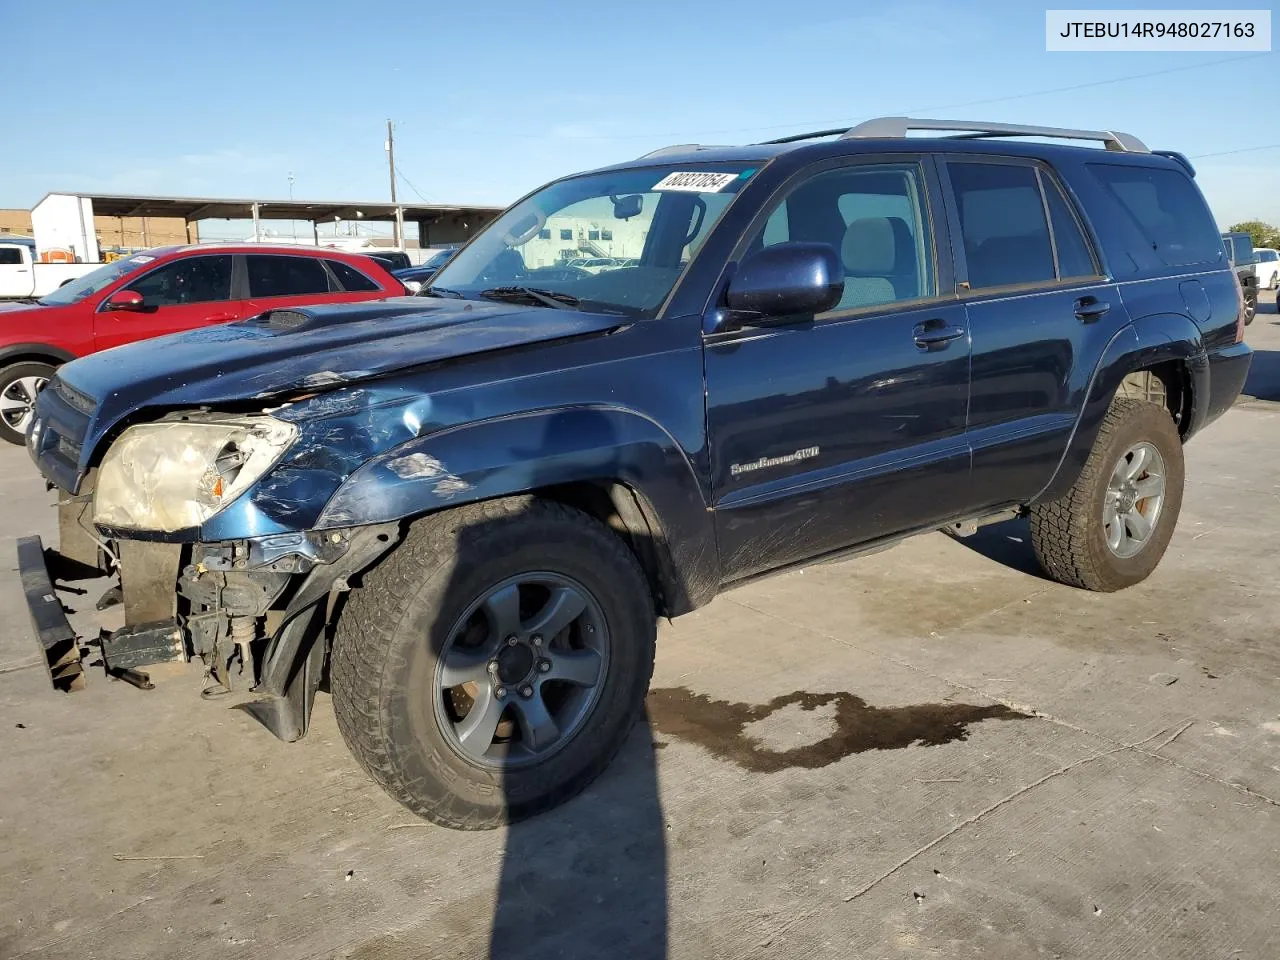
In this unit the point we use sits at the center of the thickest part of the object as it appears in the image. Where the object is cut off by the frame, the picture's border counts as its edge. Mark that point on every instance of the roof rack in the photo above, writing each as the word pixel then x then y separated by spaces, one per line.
pixel 677 148
pixel 893 128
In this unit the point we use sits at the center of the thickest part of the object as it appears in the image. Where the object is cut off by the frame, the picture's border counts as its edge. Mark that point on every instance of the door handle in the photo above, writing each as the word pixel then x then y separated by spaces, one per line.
pixel 1090 309
pixel 935 334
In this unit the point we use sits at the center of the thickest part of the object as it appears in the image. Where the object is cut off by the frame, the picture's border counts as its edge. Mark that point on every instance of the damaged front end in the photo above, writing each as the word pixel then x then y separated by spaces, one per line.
pixel 254 609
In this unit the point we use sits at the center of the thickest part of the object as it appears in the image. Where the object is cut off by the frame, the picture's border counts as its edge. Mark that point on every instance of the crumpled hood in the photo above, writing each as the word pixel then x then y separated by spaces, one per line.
pixel 295 349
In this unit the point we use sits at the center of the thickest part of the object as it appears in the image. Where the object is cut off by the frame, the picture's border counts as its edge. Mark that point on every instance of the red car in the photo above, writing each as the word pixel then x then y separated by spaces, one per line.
pixel 164 291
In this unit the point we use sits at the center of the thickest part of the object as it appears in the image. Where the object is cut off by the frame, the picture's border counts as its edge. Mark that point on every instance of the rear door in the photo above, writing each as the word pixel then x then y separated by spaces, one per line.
pixel 1039 314
pixel 182 294
pixel 846 426
pixel 283 280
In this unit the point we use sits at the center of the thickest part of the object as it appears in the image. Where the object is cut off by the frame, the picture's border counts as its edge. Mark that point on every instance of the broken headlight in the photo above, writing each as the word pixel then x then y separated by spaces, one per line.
pixel 172 476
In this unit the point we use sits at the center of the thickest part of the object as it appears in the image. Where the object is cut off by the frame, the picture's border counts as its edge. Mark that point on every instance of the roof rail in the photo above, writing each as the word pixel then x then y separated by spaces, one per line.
pixel 893 128
pixel 795 137
pixel 678 148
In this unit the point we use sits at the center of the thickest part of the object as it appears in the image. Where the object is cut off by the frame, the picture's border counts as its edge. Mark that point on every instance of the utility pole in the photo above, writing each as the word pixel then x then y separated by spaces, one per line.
pixel 391 169
pixel 292 223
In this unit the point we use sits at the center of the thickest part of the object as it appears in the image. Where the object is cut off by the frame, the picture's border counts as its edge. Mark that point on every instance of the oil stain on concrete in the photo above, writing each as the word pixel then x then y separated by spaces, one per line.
pixel 721 726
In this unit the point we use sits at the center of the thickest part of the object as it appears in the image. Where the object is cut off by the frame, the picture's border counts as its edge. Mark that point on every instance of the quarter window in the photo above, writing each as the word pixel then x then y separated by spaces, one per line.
pixel 281 276
pixel 872 216
pixel 189 280
pixel 352 280
pixel 1002 224
pixel 1166 209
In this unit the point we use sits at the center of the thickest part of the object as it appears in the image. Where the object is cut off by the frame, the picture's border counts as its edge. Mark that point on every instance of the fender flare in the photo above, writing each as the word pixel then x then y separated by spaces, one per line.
pixel 39 349
pixel 1143 343
pixel 527 452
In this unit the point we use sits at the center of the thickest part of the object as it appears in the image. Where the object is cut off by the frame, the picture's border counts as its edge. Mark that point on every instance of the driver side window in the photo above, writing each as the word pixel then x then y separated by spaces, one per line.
pixel 190 280
pixel 873 217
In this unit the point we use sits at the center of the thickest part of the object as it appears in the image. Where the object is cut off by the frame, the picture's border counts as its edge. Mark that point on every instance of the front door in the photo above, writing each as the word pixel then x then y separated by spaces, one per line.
pixel 179 295
pixel 849 426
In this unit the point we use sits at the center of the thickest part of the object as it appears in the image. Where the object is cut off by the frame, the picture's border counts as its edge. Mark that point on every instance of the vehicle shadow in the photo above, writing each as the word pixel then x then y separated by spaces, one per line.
pixel 1263 382
pixel 587 878
pixel 1009 543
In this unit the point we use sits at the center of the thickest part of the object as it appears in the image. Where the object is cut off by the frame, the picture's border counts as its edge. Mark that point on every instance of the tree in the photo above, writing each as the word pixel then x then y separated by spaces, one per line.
pixel 1262 234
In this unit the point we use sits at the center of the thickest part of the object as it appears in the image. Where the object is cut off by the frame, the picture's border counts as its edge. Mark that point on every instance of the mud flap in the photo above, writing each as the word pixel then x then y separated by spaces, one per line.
pixel 58 643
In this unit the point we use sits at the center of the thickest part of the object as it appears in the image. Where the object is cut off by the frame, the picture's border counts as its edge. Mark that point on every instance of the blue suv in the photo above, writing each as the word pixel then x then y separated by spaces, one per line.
pixel 466 507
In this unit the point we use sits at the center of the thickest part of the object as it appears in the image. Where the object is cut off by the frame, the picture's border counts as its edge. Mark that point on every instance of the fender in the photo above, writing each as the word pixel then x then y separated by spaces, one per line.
pixel 530 451
pixel 1155 338
pixel 34 350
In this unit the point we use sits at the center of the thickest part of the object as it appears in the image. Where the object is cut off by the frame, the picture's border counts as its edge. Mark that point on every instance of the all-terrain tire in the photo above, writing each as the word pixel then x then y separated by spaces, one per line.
pixel 394 626
pixel 1068 534
pixel 16 382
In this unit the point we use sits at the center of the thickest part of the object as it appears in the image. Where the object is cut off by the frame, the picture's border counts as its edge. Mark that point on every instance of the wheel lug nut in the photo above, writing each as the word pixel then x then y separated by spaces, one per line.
pixel 512 641
pixel 537 640
pixel 526 691
pixel 493 666
pixel 500 692
pixel 544 666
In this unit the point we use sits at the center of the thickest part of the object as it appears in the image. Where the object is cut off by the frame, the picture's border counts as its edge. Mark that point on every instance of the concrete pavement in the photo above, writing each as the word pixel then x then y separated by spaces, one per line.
pixel 931 751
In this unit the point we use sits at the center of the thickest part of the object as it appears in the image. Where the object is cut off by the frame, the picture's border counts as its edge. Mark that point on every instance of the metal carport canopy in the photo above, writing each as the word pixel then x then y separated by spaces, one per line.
pixel 318 211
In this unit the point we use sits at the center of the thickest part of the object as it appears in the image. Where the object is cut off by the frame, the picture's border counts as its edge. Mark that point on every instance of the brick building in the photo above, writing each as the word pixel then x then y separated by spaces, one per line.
pixel 131 233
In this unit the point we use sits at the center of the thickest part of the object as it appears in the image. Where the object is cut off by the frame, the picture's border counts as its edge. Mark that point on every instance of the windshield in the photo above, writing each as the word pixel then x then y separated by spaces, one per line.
pixel 616 241
pixel 94 281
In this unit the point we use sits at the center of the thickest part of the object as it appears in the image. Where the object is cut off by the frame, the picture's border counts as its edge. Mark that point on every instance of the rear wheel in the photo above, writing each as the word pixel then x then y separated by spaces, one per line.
pixel 1250 304
pixel 1113 526
pixel 19 384
pixel 493 665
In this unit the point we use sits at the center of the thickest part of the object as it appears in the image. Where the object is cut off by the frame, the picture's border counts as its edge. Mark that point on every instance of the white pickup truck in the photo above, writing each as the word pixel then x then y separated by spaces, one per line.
pixel 22 276
pixel 1268 268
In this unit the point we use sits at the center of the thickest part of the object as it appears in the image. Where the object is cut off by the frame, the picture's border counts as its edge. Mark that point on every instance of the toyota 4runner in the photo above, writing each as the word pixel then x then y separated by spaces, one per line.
pixel 466 508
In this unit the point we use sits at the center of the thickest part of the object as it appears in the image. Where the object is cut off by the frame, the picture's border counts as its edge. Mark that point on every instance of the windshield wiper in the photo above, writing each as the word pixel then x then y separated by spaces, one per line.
pixel 546 298
pixel 439 292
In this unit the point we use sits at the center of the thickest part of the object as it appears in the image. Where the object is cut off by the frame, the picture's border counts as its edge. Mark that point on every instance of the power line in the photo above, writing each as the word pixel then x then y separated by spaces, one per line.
pixel 1227 153
pixel 950 106
pixel 409 183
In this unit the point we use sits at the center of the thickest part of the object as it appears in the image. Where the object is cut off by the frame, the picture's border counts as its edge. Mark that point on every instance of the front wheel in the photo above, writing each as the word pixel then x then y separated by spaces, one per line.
pixel 494 663
pixel 19 384
pixel 1111 529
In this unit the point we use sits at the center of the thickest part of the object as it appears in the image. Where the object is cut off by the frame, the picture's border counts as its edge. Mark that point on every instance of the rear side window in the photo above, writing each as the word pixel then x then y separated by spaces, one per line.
pixel 10 255
pixel 1074 257
pixel 277 276
pixel 1002 223
pixel 352 280
pixel 1166 208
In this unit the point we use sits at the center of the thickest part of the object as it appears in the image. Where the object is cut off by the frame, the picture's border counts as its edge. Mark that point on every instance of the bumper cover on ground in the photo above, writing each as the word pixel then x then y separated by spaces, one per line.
pixel 57 641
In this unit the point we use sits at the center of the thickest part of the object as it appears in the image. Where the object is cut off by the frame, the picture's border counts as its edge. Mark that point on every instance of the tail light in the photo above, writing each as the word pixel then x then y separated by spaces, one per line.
pixel 1239 308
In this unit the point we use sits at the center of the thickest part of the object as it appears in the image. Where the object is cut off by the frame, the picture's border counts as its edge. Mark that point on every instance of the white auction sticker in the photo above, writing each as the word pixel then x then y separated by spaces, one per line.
pixel 695 182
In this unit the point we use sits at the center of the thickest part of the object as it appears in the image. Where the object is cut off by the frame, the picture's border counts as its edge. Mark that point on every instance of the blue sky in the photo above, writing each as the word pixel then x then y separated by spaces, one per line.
pixel 491 99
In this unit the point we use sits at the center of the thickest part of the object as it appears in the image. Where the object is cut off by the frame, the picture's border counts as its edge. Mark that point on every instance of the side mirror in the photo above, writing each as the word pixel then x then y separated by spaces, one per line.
pixel 125 300
pixel 786 279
